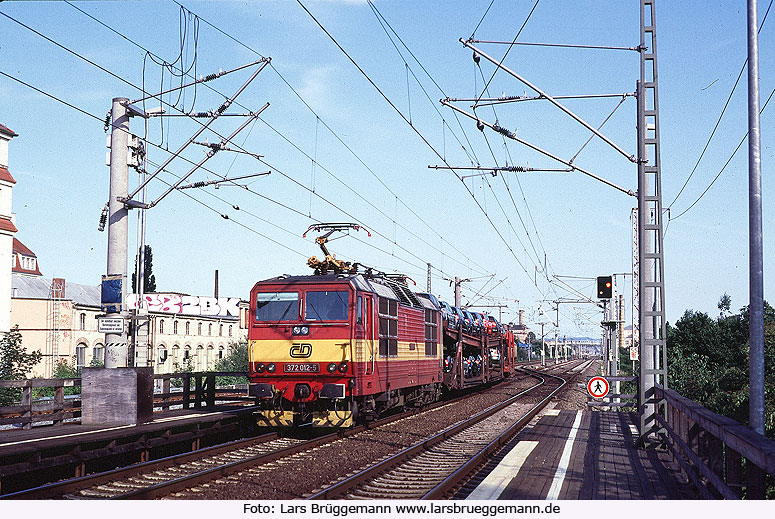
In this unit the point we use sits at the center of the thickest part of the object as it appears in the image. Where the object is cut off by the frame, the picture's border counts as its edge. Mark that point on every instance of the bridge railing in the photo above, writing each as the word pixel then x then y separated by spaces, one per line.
pixel 185 390
pixel 722 457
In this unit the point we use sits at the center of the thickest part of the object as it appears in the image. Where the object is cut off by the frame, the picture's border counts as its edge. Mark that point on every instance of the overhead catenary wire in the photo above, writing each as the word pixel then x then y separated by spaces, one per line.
pixel 718 121
pixel 414 128
pixel 264 62
pixel 339 139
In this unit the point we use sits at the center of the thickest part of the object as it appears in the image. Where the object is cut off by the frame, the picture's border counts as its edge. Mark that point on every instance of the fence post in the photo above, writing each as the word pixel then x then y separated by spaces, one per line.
pixel 198 398
pixel 210 385
pixel 165 389
pixel 186 390
pixel 27 404
pixel 755 479
pixel 59 403
pixel 734 470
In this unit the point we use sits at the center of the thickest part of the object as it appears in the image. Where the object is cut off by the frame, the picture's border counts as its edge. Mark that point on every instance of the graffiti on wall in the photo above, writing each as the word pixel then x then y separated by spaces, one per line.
pixel 188 305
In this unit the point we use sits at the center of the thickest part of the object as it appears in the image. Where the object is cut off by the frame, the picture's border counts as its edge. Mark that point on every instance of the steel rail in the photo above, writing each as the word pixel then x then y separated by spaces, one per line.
pixel 347 484
pixel 59 489
pixel 471 465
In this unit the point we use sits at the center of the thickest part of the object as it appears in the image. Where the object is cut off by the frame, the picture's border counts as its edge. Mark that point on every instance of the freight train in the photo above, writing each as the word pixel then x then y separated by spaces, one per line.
pixel 342 346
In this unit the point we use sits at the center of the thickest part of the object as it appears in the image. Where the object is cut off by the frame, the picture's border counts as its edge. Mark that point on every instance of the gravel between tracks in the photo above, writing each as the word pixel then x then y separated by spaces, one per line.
pixel 304 473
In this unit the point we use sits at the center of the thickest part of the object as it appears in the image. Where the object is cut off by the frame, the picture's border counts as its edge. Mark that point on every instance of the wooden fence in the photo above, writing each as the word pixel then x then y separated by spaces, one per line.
pixel 720 456
pixel 188 390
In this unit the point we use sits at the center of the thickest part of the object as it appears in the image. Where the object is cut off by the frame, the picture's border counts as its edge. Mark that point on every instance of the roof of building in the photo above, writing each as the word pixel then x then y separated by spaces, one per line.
pixel 7 131
pixel 7 225
pixel 19 250
pixel 6 175
pixel 25 287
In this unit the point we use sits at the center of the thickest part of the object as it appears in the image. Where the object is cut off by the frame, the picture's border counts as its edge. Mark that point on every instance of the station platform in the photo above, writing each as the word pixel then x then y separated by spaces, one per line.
pixel 46 453
pixel 582 455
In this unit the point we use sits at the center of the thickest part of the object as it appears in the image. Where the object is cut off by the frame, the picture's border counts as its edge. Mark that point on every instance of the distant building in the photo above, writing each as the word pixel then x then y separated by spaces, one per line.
pixel 23 260
pixel 520 330
pixel 7 228
pixel 60 319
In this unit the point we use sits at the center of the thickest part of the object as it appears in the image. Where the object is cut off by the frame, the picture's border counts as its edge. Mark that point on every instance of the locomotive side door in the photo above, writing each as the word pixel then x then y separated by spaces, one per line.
pixel 368 324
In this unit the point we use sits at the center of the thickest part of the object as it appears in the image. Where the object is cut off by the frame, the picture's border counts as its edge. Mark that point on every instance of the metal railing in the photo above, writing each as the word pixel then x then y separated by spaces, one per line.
pixel 186 390
pixel 722 457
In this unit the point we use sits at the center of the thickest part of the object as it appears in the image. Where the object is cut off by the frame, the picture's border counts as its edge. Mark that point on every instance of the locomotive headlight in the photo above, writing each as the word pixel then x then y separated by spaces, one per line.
pixel 300 330
pixel 271 368
pixel 260 368
pixel 332 367
pixel 343 367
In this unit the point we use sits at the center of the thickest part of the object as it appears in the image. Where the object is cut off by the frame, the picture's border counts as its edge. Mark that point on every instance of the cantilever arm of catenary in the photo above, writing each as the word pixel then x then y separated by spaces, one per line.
pixel 208 77
pixel 207 157
pixel 513 136
pixel 549 98
pixel 217 113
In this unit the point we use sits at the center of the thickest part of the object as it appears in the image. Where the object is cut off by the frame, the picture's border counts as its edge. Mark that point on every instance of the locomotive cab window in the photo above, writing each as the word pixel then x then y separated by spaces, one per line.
pixel 277 306
pixel 326 306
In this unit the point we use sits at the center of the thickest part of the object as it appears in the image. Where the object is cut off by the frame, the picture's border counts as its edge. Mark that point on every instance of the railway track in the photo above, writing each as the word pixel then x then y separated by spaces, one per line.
pixel 175 473
pixel 434 467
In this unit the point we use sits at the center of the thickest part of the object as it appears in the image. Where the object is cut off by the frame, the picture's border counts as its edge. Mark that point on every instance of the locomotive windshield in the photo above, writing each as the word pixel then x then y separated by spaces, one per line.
pixel 277 306
pixel 326 306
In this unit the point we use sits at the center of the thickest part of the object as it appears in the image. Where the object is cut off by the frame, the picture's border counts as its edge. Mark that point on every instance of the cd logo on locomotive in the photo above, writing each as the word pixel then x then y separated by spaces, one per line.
pixel 301 351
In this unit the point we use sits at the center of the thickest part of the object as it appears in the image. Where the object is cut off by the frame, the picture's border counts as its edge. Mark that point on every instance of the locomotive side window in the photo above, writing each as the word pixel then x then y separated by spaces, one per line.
pixel 388 327
pixel 326 306
pixel 277 306
pixel 431 335
pixel 359 311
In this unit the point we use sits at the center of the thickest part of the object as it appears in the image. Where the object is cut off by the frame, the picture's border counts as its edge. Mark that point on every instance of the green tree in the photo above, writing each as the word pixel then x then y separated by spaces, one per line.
pixel 236 360
pixel 15 363
pixel 63 369
pixel 708 361
pixel 149 281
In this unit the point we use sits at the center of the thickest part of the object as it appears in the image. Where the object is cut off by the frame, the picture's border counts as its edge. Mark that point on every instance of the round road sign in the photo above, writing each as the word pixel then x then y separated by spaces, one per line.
pixel 598 387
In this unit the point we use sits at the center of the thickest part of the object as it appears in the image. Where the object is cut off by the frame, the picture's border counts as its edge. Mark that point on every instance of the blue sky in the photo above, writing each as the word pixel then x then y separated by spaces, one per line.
pixel 339 152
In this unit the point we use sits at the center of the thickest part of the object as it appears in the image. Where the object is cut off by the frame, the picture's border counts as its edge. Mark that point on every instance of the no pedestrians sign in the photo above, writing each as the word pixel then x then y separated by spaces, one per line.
pixel 598 387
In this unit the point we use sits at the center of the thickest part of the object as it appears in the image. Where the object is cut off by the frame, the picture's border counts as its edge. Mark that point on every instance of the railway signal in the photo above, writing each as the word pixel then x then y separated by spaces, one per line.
pixel 605 287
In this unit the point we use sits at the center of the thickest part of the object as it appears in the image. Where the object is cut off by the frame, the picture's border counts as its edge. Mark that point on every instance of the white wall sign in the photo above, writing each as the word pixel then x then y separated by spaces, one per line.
pixel 110 325
pixel 188 305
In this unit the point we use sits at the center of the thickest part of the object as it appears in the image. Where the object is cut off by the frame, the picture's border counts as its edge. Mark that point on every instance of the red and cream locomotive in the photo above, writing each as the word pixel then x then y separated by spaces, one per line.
pixel 339 346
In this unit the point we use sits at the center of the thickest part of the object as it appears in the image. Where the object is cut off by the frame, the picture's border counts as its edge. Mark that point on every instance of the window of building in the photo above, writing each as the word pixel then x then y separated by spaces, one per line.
pixel 187 352
pixel 162 354
pixel 220 352
pixel 220 330
pixel 80 355
pixel 230 330
pixel 199 328
pixel 82 321
pixel 161 325
pixel 188 328
pixel 388 327
pixel 210 329
pixel 98 354
pixel 175 327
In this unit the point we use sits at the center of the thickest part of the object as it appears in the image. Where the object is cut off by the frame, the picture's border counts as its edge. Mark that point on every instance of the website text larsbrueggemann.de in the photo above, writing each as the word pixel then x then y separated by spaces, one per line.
pixel 344 510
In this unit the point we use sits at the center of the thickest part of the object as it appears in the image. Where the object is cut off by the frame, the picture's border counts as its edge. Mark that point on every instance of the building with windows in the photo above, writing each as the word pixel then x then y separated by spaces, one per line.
pixel 60 319
pixel 7 228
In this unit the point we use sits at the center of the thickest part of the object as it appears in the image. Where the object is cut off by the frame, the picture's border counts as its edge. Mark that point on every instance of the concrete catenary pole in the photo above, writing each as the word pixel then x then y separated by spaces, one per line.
pixel 116 349
pixel 756 262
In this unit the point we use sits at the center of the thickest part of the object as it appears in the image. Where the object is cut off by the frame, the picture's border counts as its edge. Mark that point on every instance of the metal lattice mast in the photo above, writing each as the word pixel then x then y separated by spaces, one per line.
pixel 653 340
